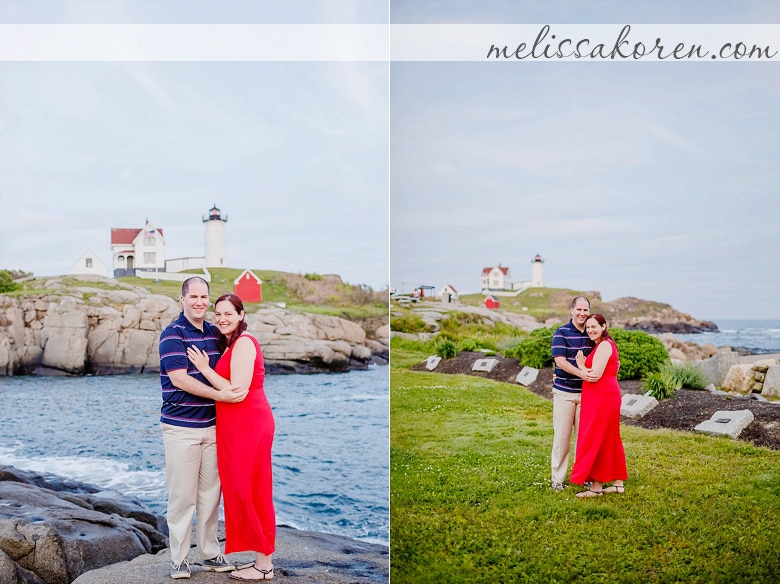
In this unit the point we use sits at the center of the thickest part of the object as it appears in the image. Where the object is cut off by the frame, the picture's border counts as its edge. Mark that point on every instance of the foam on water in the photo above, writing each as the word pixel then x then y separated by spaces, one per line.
pixel 106 473
pixel 757 336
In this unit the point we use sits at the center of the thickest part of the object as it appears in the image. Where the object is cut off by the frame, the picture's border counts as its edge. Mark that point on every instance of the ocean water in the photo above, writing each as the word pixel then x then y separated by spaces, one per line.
pixel 757 336
pixel 330 455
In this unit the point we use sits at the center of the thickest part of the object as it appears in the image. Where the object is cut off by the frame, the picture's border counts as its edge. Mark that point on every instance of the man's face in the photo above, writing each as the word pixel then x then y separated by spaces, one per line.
pixel 580 313
pixel 196 302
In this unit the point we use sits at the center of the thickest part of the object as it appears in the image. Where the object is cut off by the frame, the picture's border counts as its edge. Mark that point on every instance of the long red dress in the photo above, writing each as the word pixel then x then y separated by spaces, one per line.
pixel 600 455
pixel 245 434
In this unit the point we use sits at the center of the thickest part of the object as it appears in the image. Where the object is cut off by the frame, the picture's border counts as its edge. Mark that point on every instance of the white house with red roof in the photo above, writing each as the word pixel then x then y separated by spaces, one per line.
pixel 141 252
pixel 496 278
pixel 137 250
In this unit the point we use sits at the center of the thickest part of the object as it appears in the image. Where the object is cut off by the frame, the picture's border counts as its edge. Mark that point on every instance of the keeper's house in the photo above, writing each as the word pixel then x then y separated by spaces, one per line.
pixel 137 250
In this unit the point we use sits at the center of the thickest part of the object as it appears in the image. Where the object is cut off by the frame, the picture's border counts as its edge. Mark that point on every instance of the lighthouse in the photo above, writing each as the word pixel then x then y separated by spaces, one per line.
pixel 537 277
pixel 216 254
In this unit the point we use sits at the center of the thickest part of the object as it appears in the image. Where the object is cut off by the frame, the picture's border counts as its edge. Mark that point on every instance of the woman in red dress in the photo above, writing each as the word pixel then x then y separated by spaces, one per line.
pixel 245 433
pixel 599 456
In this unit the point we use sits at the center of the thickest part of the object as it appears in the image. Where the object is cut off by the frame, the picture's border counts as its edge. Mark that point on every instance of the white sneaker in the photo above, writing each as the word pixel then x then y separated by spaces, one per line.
pixel 558 486
pixel 181 570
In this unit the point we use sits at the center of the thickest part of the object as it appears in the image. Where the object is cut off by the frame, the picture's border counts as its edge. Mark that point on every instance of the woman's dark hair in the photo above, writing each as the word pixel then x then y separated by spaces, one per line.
pixel 599 318
pixel 224 342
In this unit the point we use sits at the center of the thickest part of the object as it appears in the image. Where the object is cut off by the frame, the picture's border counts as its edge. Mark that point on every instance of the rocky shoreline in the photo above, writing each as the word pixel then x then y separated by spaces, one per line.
pixel 97 331
pixel 57 531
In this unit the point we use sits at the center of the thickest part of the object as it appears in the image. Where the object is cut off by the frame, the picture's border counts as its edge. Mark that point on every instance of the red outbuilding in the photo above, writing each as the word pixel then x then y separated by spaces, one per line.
pixel 491 302
pixel 248 287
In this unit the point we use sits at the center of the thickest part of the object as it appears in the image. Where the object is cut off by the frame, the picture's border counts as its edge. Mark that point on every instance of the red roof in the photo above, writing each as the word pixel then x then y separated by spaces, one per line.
pixel 125 236
pixel 486 271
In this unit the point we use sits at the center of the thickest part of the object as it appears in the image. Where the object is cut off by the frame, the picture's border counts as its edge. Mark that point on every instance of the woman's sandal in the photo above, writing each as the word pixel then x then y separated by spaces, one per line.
pixel 589 493
pixel 252 565
pixel 617 489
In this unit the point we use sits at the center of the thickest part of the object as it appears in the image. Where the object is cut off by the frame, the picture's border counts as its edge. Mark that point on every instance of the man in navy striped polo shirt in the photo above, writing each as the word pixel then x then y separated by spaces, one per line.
pixel 567 386
pixel 188 419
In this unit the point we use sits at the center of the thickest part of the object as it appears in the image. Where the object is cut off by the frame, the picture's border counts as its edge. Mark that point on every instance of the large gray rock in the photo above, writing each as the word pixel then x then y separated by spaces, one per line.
pixel 302 557
pixel 772 382
pixel 304 343
pixel 717 367
pixel 52 530
pixel 739 378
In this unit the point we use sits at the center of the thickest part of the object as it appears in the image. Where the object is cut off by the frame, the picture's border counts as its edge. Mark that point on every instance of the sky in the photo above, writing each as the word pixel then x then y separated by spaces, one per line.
pixel 294 153
pixel 656 180
pixel 652 180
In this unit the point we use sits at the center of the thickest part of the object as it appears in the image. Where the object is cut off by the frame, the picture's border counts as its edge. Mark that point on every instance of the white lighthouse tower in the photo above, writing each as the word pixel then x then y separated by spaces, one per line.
pixel 537 277
pixel 216 254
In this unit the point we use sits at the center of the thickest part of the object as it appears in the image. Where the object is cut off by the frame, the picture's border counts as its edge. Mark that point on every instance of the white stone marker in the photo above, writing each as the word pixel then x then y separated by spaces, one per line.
pixel 485 365
pixel 726 423
pixel 527 376
pixel 636 406
pixel 432 362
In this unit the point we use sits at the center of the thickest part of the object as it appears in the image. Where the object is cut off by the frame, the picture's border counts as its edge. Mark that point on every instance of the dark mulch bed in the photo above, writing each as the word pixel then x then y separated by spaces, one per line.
pixel 682 412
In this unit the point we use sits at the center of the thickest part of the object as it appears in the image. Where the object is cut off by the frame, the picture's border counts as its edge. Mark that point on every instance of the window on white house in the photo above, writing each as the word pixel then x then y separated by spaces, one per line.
pixel 89 262
pixel 150 241
pixel 150 257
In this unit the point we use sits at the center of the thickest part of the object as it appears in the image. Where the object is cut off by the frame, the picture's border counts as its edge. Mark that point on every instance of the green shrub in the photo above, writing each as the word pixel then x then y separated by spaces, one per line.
pixel 410 323
pixel 469 345
pixel 658 386
pixel 687 375
pixel 535 350
pixel 641 354
pixel 7 283
pixel 674 376
pixel 446 349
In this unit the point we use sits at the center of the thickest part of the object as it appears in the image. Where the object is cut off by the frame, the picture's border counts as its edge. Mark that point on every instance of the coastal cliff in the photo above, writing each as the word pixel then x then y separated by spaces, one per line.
pixel 90 330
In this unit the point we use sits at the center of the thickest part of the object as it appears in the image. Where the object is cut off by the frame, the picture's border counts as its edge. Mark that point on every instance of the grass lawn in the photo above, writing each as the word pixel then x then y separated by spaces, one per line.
pixel 470 496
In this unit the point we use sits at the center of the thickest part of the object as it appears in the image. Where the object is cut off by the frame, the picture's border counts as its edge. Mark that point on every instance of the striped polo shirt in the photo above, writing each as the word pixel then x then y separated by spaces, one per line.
pixel 180 408
pixel 567 340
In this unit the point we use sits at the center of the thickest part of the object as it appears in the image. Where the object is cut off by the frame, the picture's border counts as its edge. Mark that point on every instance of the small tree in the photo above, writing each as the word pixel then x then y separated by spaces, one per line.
pixel 7 283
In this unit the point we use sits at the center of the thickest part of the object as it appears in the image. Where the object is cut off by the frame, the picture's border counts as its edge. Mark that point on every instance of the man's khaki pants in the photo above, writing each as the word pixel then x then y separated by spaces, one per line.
pixel 193 489
pixel 566 416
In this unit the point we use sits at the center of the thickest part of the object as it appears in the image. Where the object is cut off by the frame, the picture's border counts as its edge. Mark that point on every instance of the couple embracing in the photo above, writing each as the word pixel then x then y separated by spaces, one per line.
pixel 586 399
pixel 216 424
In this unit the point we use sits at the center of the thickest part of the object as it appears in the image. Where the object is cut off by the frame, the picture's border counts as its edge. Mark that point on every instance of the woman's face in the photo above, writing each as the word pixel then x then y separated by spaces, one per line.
pixel 594 329
pixel 226 317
